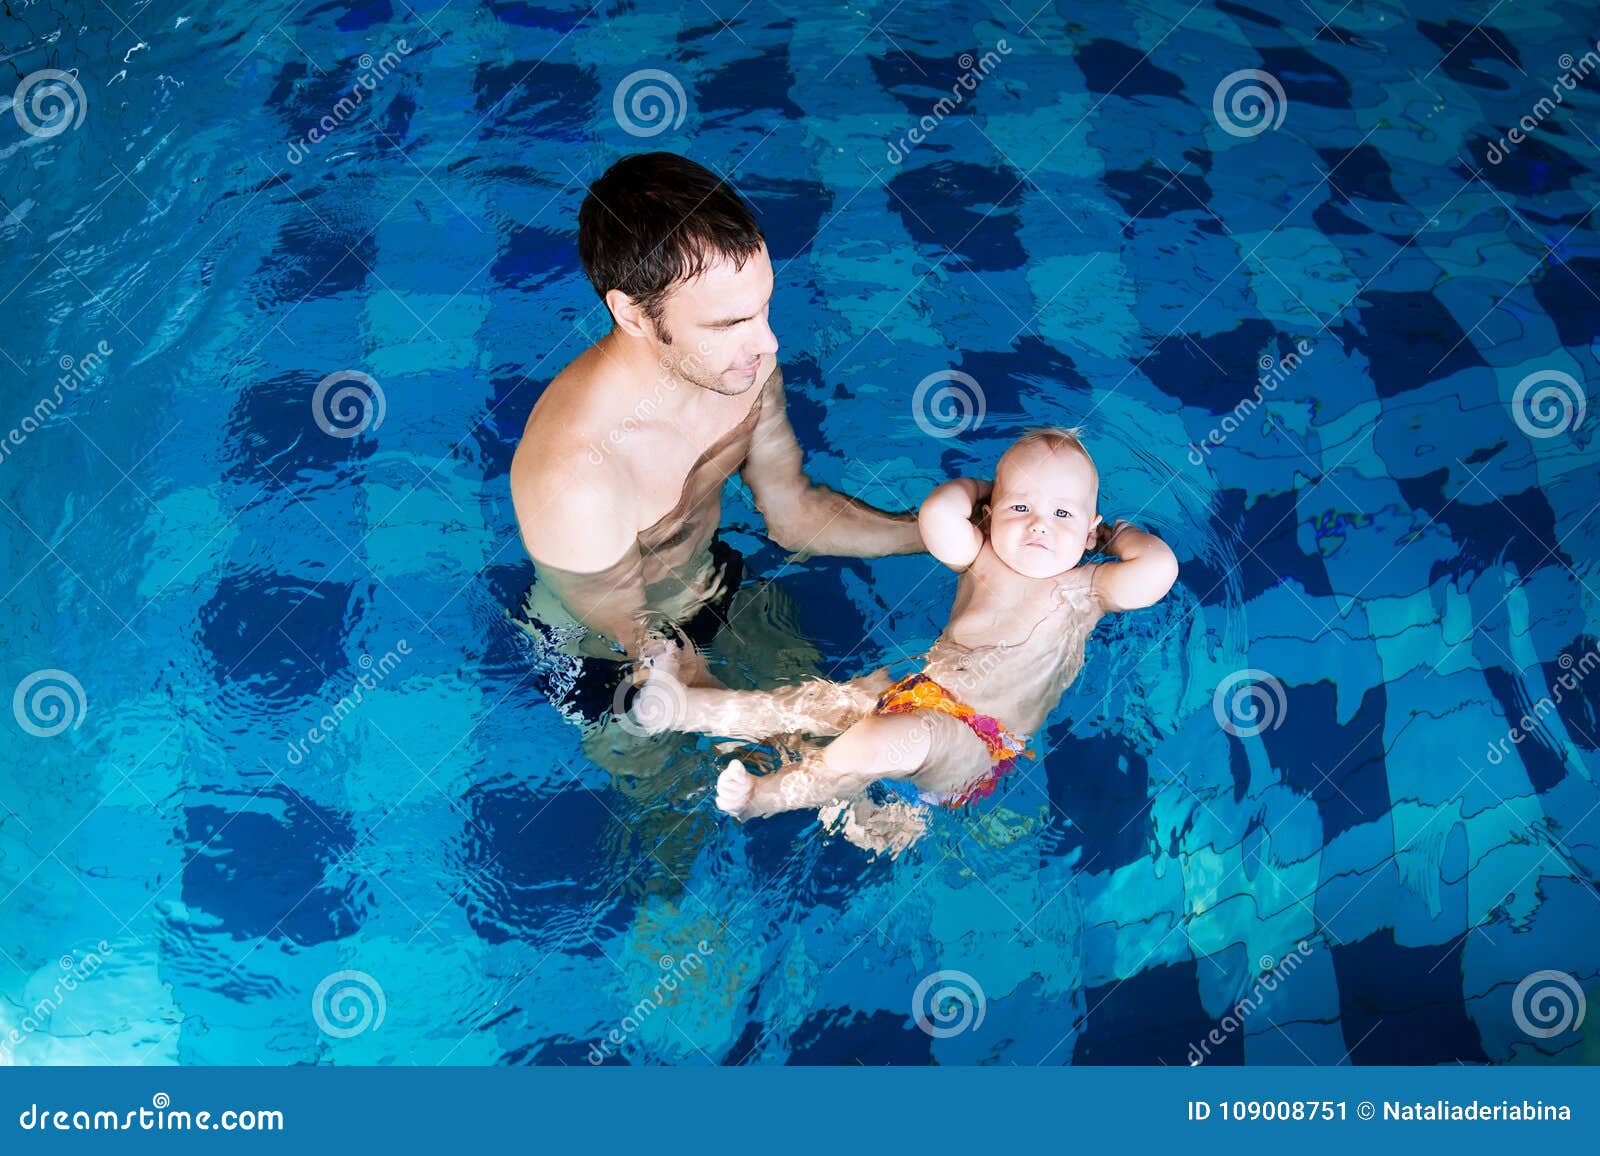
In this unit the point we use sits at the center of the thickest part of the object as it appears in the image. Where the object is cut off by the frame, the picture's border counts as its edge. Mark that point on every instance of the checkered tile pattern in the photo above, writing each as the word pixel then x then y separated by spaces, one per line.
pixel 1402 560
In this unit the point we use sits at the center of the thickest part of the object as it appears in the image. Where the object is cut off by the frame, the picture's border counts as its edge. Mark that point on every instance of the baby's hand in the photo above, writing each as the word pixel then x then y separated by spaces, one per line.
pixel 947 521
pixel 1142 575
pixel 1104 533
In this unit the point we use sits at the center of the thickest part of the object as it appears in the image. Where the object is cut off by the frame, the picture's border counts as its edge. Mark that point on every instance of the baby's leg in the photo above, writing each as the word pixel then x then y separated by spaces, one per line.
pixel 672 697
pixel 815 707
pixel 923 746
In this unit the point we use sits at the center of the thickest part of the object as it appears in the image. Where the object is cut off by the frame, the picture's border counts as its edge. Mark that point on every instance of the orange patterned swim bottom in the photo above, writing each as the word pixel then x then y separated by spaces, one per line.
pixel 919 692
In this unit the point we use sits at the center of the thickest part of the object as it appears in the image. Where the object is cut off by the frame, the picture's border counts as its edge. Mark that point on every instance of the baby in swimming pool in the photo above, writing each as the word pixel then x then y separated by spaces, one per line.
pixel 1023 608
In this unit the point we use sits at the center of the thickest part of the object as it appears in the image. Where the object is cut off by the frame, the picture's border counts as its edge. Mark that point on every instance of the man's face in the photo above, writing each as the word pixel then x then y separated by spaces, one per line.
pixel 1042 511
pixel 720 339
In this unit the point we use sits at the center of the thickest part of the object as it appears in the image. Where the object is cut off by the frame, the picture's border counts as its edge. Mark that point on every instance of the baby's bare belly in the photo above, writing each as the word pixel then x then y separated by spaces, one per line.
pixel 1017 702
pixel 1018 685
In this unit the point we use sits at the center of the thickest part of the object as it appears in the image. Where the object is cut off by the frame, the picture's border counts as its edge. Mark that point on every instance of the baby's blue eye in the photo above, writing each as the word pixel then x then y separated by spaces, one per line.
pixel 1020 508
pixel 1062 514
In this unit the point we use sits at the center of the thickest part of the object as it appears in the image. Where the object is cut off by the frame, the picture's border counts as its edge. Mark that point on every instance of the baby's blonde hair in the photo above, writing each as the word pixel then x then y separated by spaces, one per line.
pixel 1053 438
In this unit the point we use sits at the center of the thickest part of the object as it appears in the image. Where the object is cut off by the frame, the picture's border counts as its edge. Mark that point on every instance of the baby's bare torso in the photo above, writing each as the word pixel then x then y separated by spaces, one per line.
pixel 1014 644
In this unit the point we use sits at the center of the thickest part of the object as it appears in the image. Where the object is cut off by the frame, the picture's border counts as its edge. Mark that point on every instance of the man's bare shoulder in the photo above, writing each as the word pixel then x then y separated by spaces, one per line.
pixel 574 501
pixel 563 416
pixel 574 516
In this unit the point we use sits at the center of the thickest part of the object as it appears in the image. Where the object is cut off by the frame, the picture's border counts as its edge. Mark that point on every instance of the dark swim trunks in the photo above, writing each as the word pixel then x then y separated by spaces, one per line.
pixel 592 693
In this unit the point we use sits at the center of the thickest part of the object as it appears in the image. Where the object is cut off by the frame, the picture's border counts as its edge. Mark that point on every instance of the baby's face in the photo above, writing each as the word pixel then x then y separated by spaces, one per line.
pixel 1042 511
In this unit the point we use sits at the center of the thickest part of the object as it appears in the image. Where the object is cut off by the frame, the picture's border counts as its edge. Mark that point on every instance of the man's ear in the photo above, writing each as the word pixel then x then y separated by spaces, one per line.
pixel 630 318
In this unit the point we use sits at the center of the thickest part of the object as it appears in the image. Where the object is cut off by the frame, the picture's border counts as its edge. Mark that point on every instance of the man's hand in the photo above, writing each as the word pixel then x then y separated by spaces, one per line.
pixel 677 660
pixel 662 681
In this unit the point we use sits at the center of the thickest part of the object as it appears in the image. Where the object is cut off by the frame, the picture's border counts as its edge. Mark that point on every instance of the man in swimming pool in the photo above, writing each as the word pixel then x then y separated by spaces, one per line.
pixel 618 479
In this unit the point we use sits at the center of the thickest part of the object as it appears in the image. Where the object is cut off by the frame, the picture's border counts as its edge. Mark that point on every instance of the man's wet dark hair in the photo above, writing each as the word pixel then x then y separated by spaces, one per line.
pixel 655 219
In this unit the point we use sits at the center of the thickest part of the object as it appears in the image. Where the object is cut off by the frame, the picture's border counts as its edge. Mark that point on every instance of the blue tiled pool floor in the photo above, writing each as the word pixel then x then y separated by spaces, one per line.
pixel 1334 801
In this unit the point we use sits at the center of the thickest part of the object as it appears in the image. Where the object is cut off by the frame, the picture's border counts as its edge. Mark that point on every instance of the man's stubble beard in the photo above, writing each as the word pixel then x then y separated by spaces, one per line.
pixel 692 368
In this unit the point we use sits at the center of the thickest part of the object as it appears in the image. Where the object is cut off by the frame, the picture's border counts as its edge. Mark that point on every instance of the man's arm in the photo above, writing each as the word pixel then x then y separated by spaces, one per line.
pixel 588 557
pixel 808 518
pixel 586 554
pixel 1144 571
pixel 946 521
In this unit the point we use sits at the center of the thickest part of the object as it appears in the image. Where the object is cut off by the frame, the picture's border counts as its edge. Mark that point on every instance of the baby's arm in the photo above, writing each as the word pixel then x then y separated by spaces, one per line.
pixel 1143 573
pixel 946 521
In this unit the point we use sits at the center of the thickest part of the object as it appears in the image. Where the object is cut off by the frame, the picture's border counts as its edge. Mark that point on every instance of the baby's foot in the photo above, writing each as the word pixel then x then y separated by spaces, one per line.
pixel 734 787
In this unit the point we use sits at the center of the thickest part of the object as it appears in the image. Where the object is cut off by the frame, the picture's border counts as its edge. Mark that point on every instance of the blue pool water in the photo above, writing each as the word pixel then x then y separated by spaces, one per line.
pixel 1281 807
